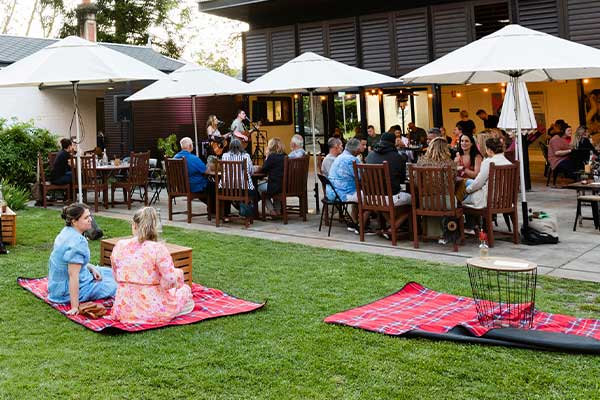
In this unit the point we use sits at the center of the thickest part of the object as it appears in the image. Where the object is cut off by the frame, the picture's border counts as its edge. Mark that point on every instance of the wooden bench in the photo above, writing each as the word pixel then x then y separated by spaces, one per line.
pixel 182 256
pixel 9 227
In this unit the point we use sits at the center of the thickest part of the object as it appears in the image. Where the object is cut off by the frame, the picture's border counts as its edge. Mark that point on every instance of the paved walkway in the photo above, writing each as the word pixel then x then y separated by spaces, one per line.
pixel 575 257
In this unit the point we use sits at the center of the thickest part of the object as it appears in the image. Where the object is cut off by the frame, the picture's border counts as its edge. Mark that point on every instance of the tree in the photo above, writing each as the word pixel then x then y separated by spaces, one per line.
pixel 9 9
pixel 215 58
pixel 129 22
pixel 48 11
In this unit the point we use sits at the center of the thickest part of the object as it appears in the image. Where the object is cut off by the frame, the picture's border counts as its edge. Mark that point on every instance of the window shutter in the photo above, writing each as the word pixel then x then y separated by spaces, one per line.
pixel 256 55
pixel 283 48
pixel 450 29
pixel 311 38
pixel 541 15
pixel 342 41
pixel 584 26
pixel 412 43
pixel 376 43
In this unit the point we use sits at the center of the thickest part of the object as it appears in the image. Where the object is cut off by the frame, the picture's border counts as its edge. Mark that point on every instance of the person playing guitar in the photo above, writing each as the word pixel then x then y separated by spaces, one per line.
pixel 218 142
pixel 240 131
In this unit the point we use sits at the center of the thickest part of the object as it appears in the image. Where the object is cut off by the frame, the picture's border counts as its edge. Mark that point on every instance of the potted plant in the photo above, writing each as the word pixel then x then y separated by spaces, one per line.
pixel 167 146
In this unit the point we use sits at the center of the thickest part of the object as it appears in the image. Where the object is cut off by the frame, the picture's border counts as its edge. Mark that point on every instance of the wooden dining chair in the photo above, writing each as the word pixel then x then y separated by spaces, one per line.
pixel 137 177
pixel 295 178
pixel 502 198
pixel 231 184
pixel 90 180
pixel 48 186
pixel 374 193
pixel 432 190
pixel 178 185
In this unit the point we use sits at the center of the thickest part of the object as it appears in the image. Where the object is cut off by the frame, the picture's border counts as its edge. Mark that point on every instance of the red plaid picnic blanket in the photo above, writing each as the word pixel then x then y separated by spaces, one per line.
pixel 415 307
pixel 210 303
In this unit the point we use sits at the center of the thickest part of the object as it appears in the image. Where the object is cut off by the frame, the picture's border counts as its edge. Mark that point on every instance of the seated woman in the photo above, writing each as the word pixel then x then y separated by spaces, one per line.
pixel 70 278
pixel 150 289
pixel 477 189
pixel 237 153
pixel 559 151
pixel 582 147
pixel 437 155
pixel 468 158
pixel 273 167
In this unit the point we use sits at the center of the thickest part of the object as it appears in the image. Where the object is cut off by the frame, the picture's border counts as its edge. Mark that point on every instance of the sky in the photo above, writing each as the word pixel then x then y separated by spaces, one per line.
pixel 205 32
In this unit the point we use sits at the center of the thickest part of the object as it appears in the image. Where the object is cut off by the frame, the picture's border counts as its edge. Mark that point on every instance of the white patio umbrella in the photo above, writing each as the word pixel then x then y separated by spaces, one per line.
pixel 193 81
pixel 508 116
pixel 517 54
pixel 311 73
pixel 73 62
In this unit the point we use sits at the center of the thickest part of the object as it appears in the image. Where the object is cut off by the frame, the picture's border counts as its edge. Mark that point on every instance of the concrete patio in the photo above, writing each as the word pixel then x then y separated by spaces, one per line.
pixel 574 257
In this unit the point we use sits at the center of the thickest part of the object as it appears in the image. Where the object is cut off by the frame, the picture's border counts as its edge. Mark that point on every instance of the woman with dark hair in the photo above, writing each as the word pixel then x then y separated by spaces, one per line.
pixel 70 278
pixel 468 158
pixel 559 150
pixel 273 167
pixel 477 189
pixel 150 289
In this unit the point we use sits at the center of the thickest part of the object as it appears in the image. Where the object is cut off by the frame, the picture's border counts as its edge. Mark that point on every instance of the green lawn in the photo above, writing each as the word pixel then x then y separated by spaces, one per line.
pixel 283 351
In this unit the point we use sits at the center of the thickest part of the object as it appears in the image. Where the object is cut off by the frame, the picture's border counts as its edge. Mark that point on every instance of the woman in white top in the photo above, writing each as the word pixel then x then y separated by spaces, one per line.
pixel 237 153
pixel 478 188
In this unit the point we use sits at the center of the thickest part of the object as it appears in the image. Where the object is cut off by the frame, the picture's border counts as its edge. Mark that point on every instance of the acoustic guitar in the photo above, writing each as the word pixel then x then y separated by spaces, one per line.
pixel 218 144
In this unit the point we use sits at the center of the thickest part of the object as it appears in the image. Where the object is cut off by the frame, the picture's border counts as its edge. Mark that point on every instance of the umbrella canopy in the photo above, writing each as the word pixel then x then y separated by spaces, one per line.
pixel 535 56
pixel 309 73
pixel 508 116
pixel 74 59
pixel 191 80
pixel 312 72
pixel 517 54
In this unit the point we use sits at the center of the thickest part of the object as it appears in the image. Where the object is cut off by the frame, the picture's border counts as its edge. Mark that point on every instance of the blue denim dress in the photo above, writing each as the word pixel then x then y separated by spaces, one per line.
pixel 70 247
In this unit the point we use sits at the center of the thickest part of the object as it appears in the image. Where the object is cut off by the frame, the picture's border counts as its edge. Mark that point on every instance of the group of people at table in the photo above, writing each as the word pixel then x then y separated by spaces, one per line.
pixel 469 163
pixel 568 150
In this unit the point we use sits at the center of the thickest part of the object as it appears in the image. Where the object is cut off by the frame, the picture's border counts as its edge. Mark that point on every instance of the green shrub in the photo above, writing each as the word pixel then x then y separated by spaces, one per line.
pixel 19 144
pixel 15 197
pixel 168 146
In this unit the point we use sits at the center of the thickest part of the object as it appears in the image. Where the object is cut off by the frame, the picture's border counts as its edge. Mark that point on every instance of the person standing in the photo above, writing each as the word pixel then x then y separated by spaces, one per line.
pixel 489 121
pixel 239 130
pixel 417 135
pixel 466 125
pixel 372 138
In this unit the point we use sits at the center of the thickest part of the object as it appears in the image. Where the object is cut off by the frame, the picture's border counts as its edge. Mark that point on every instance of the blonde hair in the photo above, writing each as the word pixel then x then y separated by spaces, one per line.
pixel 275 146
pixel 212 121
pixel 438 150
pixel 146 221
pixel 577 136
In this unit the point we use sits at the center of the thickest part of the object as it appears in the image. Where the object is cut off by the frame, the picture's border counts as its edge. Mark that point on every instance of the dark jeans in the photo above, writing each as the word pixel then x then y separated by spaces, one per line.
pixel 252 195
pixel 567 167
pixel 63 180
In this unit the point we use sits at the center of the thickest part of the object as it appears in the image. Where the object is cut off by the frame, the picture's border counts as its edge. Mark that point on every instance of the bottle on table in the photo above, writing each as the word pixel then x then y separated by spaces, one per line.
pixel 104 158
pixel 484 249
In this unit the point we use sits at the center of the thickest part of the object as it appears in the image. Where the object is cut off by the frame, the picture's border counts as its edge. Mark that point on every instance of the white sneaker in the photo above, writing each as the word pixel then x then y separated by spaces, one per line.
pixel 469 231
pixel 442 241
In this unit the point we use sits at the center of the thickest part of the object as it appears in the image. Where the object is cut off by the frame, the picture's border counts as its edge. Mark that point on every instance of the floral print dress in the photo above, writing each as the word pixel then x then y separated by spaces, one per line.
pixel 144 272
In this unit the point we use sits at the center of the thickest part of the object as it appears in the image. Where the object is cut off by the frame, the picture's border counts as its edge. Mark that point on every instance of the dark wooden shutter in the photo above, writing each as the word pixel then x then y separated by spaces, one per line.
pixel 412 46
pixel 541 15
pixel 376 42
pixel 584 22
pixel 256 55
pixel 311 38
pixel 451 28
pixel 283 47
pixel 342 41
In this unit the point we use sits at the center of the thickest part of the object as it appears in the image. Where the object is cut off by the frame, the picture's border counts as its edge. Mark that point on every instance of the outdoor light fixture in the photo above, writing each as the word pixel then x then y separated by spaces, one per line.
pixel 586 80
pixel 458 94
pixel 402 100
pixel 323 98
pixel 486 90
pixel 296 96
pixel 430 95
pixel 503 84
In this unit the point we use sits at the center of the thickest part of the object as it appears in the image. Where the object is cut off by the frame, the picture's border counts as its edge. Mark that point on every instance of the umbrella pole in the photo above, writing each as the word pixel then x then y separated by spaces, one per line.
pixel 312 127
pixel 195 124
pixel 344 112
pixel 516 91
pixel 78 139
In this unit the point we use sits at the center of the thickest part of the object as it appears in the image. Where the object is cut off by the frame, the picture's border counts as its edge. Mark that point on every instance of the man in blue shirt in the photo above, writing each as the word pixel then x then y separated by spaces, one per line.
pixel 196 169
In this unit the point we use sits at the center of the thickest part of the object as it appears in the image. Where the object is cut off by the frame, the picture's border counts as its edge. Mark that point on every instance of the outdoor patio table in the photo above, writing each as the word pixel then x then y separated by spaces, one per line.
pixel 182 256
pixel 503 290
pixel 583 187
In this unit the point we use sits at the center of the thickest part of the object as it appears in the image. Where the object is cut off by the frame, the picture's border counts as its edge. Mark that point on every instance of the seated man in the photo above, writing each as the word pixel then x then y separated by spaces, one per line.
pixel 196 169
pixel 372 138
pixel 432 134
pixel 341 176
pixel 297 147
pixel 385 150
pixel 61 170
pixel 335 149
pixel 417 135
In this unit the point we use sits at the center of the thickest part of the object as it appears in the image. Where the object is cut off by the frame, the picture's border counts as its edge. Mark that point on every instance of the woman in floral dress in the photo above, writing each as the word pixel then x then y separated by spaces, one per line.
pixel 150 289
